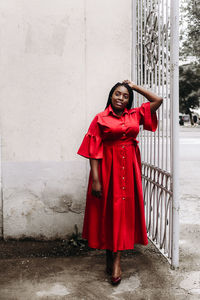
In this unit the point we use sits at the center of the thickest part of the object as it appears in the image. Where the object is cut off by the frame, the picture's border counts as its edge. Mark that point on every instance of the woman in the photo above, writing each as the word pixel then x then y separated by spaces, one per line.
pixel 114 214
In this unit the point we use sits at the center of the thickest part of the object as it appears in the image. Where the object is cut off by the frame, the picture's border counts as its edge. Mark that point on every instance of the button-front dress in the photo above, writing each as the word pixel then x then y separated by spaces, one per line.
pixel 116 221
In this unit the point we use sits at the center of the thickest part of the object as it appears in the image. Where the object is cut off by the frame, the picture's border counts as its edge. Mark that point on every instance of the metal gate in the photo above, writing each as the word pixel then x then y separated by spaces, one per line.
pixel 155 66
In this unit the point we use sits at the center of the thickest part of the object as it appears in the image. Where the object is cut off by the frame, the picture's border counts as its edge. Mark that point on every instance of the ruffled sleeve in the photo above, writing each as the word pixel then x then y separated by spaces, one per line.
pixel 92 146
pixel 147 119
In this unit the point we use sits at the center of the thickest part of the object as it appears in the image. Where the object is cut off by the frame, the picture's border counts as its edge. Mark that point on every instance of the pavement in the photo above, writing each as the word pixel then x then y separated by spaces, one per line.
pixel 145 272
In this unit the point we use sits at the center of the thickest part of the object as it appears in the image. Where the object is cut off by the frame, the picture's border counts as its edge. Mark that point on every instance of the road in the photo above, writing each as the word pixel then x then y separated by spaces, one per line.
pixel 189 175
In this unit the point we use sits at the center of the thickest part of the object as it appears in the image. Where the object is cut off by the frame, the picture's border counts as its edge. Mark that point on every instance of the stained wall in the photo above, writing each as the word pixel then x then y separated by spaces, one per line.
pixel 59 59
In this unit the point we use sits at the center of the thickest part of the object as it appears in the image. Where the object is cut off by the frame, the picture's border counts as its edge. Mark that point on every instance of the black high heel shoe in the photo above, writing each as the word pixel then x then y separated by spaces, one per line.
pixel 115 280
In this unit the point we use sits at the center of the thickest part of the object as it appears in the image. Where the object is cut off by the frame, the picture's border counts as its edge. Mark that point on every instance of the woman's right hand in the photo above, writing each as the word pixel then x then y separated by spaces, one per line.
pixel 96 189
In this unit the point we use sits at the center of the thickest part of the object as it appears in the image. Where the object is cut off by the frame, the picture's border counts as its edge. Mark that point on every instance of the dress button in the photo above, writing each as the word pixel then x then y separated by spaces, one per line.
pixel 122 146
pixel 123 156
pixel 123 124
pixel 123 187
pixel 123 198
pixel 123 167
pixel 124 134
pixel 122 177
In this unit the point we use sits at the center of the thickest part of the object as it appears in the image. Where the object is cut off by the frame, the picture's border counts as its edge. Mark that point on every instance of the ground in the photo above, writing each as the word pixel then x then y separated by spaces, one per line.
pixel 60 270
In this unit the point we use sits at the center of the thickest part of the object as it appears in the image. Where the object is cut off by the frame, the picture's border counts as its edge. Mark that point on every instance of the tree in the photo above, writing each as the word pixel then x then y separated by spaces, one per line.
pixel 189 74
pixel 190 29
pixel 189 89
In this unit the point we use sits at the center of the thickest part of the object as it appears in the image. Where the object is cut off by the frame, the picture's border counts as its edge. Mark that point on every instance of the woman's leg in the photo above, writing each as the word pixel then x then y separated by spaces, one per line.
pixel 109 261
pixel 116 264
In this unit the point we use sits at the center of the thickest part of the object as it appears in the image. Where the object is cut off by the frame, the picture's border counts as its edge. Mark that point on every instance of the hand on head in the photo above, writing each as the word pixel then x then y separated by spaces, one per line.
pixel 130 83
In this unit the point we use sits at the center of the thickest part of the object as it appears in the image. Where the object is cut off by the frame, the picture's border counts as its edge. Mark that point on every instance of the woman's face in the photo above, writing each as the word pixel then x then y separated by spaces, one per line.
pixel 120 98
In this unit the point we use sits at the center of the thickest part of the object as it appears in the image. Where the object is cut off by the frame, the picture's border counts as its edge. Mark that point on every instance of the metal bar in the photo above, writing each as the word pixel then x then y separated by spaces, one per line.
pixel 148 146
pixel 159 82
pixel 139 42
pixel 159 139
pixel 141 57
pixel 147 140
pixel 174 84
pixel 162 107
pixel 168 157
pixel 145 78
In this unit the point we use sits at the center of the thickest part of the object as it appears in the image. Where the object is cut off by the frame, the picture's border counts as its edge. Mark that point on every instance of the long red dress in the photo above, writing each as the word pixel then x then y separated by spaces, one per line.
pixel 116 221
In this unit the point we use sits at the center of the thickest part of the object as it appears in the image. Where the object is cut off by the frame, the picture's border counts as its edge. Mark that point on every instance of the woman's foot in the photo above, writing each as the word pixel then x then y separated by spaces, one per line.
pixel 116 273
pixel 116 270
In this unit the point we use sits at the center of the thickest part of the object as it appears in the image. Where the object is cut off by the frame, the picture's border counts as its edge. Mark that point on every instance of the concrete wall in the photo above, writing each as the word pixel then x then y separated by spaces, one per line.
pixel 58 60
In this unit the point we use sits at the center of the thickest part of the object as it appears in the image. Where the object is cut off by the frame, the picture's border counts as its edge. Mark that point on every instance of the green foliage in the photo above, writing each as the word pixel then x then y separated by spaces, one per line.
pixel 76 240
pixel 190 29
pixel 189 88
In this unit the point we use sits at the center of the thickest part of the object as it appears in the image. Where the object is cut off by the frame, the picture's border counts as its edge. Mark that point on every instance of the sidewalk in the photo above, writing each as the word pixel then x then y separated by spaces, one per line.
pixel 145 273
pixel 188 125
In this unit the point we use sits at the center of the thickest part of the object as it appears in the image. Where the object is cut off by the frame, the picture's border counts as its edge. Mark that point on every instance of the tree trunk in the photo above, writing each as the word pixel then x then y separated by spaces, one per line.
pixel 191 118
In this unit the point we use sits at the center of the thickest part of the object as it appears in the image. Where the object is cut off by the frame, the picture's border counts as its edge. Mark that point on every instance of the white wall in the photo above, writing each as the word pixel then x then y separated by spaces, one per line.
pixel 59 59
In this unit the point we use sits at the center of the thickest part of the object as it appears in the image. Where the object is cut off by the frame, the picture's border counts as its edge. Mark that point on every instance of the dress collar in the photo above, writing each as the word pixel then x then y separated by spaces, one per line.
pixel 110 111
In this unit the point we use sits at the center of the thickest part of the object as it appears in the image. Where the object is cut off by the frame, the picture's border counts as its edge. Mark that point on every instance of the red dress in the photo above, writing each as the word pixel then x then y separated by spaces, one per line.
pixel 116 221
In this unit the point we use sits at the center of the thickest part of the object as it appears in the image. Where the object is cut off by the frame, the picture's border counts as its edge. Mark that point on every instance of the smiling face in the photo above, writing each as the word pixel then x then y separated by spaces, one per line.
pixel 120 98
